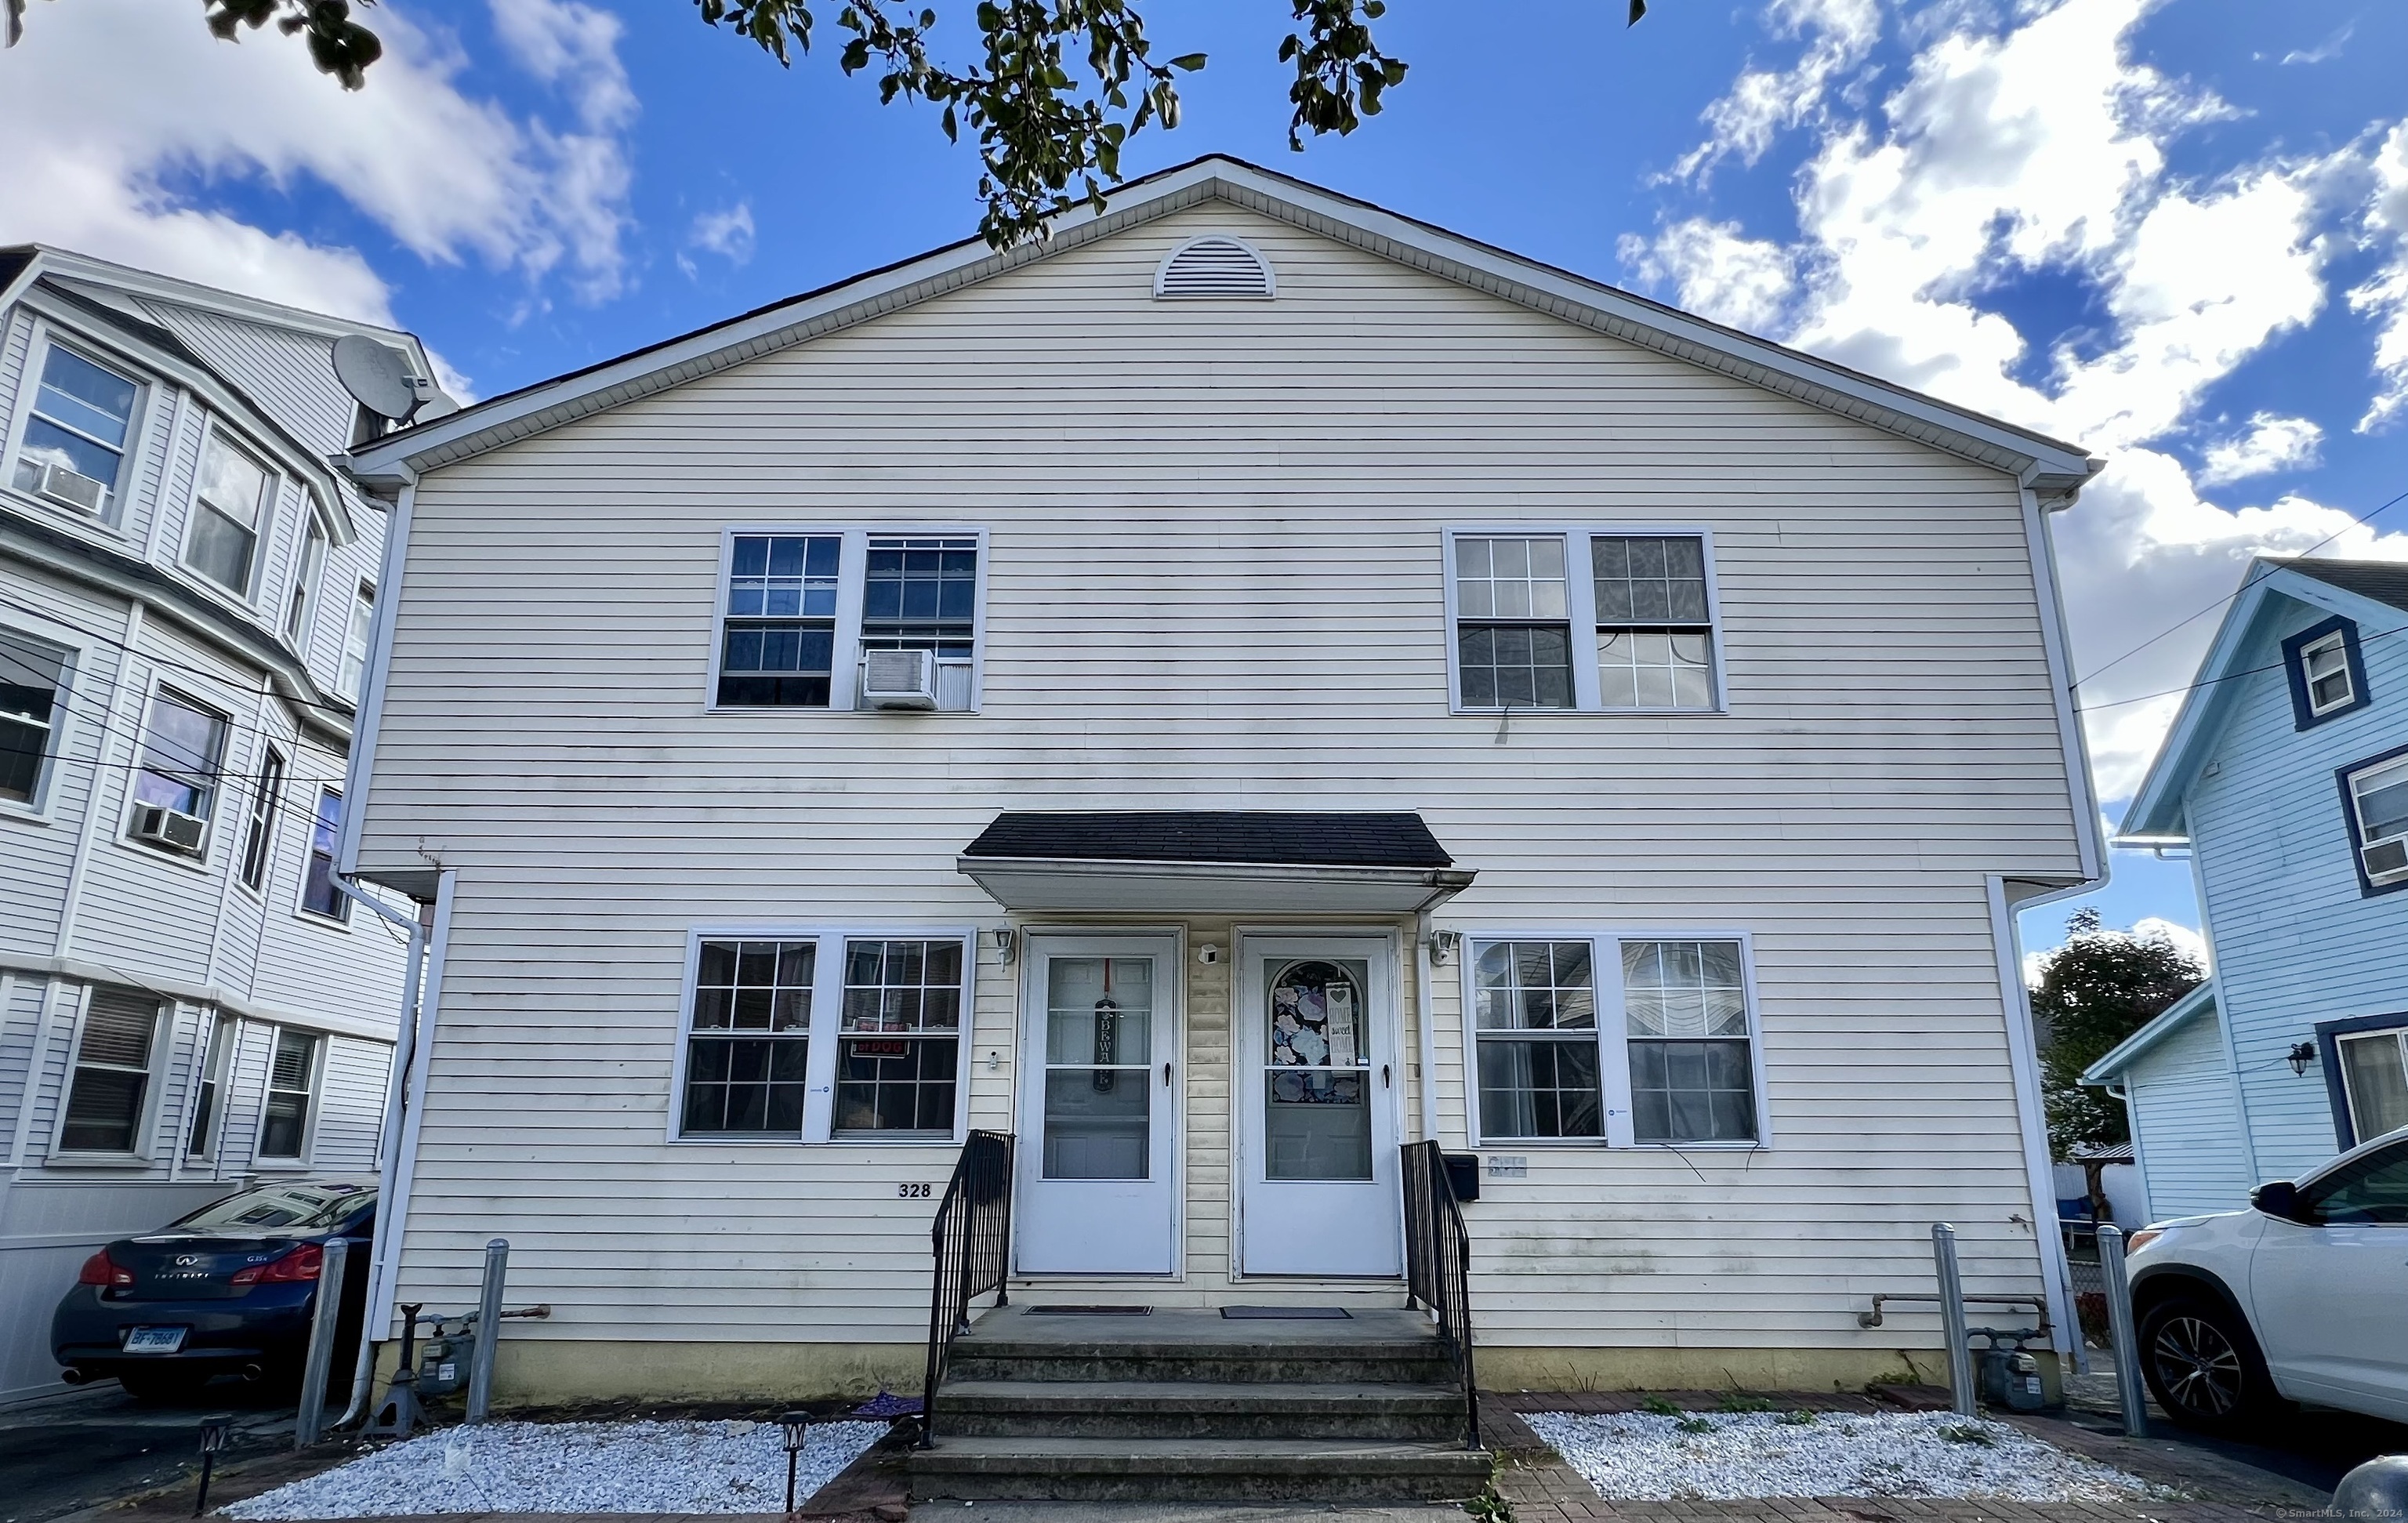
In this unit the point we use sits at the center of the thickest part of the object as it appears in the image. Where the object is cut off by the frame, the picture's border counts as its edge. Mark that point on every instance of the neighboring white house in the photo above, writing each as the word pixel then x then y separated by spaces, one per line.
pixel 1139 691
pixel 186 1001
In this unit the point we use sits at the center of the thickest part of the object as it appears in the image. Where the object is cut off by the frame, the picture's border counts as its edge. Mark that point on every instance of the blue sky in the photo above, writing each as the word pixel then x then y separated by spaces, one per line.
pixel 2176 231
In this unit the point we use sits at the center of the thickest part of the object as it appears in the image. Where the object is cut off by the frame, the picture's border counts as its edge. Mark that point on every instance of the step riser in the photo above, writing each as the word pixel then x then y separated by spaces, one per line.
pixel 1332 1367
pixel 1368 1427
pixel 1358 1486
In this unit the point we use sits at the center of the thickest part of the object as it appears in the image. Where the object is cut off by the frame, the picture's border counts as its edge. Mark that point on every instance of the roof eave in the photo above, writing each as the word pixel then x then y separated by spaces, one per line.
pixel 2163 1024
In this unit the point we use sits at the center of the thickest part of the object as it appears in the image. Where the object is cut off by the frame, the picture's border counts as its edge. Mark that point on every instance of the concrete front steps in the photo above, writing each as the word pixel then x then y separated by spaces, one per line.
pixel 1184 1405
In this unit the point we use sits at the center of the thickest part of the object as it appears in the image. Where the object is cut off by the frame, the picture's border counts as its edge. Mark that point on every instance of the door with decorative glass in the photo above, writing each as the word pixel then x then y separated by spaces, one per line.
pixel 1317 1086
pixel 1100 1060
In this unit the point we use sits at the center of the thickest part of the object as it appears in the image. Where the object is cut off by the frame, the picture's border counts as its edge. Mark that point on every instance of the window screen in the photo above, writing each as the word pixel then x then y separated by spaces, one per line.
pixel 1512 634
pixel 1655 631
pixel 749 1046
pixel 81 417
pixel 33 680
pixel 921 594
pixel 778 645
pixel 1535 1019
pixel 182 749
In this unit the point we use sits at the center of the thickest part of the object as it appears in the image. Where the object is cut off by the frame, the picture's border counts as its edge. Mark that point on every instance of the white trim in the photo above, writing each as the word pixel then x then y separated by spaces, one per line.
pixel 360 762
pixel 2351 780
pixel 146 1125
pixel 1580 591
pixel 36 1067
pixel 829 938
pixel 203 861
pixel 45 336
pixel 392 1199
pixel 1425 1034
pixel 2023 1065
pixel 363 589
pixel 341 920
pixel 268 750
pixel 1613 1035
pixel 1566 296
pixel 264 516
pixel 2339 641
pixel 852 568
pixel 2090 828
pixel 321 1043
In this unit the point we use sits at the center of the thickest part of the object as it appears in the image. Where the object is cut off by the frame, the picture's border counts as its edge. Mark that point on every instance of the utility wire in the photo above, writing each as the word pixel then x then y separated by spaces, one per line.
pixel 2211 682
pixel 347 712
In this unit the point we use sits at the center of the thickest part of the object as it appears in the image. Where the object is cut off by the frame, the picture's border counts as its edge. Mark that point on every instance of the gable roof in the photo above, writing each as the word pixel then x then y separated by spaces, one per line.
pixel 2055 469
pixel 2369 591
pixel 2119 1060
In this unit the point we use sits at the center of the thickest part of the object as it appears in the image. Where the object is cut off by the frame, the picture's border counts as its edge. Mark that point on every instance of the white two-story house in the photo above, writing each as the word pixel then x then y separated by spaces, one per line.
pixel 187 999
pixel 1246 683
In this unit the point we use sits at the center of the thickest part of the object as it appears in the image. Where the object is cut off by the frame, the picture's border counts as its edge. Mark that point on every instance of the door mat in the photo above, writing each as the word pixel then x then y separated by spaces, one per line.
pixel 1090 1311
pixel 1285 1313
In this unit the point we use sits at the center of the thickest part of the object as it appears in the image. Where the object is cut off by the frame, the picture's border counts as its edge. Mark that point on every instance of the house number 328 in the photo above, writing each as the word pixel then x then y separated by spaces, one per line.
pixel 912 1192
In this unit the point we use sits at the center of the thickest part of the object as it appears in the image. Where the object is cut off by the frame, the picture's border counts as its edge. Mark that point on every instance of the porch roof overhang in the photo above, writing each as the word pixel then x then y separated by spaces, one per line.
pixel 1213 861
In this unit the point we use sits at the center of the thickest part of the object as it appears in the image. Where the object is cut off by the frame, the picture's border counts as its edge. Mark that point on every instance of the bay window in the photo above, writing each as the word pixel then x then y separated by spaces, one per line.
pixel 229 505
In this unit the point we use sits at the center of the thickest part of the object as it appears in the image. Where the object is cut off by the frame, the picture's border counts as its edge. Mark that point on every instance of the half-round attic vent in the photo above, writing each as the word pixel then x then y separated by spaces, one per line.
pixel 1215 264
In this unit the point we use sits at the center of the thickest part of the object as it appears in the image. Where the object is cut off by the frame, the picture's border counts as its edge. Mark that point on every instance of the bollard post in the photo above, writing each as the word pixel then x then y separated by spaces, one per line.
pixel 489 1332
pixel 1952 1319
pixel 311 1419
pixel 2129 1389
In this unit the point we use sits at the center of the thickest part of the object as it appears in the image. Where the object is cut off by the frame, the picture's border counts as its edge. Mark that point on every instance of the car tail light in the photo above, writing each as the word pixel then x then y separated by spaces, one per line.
pixel 102 1270
pixel 301 1263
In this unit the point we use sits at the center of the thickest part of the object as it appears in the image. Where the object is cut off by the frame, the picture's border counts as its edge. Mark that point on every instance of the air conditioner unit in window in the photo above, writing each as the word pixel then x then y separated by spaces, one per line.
pixel 899 678
pixel 163 826
pixel 2385 857
pixel 73 487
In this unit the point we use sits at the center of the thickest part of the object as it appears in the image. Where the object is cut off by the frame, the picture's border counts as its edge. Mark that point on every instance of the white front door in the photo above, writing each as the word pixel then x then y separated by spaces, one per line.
pixel 1098 1189
pixel 1316 1075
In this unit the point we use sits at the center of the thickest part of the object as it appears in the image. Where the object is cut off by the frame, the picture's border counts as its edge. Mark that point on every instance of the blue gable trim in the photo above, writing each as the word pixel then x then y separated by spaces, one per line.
pixel 2295 672
pixel 2329 1055
pixel 2367 887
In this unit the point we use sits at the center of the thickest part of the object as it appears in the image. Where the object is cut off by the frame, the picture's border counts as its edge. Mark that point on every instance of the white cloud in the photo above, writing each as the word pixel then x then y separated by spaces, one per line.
pixel 1715 271
pixel 726 232
pixel 119 123
pixel 1761 102
pixel 2385 297
pixel 2272 443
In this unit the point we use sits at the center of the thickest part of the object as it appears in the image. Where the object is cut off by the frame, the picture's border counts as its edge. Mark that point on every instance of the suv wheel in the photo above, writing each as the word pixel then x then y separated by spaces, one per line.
pixel 2202 1365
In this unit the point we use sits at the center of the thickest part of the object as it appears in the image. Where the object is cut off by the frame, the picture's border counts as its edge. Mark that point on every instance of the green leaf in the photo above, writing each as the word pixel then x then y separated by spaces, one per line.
pixel 1189 61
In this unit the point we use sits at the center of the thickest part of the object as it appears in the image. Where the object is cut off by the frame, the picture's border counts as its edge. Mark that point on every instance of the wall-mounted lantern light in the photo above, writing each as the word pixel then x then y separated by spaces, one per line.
pixel 1443 945
pixel 2301 1055
pixel 1004 947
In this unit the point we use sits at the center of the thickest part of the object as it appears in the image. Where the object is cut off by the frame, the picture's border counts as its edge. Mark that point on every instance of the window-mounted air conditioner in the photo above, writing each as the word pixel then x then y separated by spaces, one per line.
pixel 899 678
pixel 2386 857
pixel 172 828
pixel 72 487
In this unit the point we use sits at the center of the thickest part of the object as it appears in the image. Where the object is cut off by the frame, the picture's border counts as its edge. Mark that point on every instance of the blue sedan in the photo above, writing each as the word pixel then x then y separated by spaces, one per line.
pixel 229 1289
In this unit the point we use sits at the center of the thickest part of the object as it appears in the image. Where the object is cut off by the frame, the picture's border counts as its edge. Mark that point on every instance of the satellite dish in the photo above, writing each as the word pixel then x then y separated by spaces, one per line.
pixel 378 376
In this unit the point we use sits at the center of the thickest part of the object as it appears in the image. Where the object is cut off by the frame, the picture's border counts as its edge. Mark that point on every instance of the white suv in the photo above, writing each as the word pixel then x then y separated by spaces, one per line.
pixel 2305 1297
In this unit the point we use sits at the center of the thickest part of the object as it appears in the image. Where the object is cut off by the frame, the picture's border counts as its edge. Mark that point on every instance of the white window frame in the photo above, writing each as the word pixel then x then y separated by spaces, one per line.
pixel 355 686
pixel 262 810
pixel 2337 642
pixel 321 1041
pixel 341 918
pixel 2396 1036
pixel 2350 776
pixel 1581 608
pixel 271 495
pixel 853 566
pixel 38 809
pixel 219 1036
pixel 308 571
pixel 827 1002
pixel 38 353
pixel 145 1125
pixel 1612 1032
pixel 199 861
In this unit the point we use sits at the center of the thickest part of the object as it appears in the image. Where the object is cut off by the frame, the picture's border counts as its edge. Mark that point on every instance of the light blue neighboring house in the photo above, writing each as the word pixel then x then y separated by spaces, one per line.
pixel 2285 775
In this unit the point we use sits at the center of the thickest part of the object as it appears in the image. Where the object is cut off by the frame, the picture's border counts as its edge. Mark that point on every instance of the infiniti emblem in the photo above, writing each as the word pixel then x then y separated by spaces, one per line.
pixel 187 1260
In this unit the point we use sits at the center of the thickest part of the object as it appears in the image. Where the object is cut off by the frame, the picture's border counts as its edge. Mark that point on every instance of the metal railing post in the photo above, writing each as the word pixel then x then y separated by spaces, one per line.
pixel 1952 1319
pixel 489 1332
pixel 309 1420
pixel 2128 1390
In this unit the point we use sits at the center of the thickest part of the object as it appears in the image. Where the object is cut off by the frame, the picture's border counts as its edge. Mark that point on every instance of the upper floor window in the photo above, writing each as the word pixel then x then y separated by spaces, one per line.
pixel 1639 1040
pixel 223 541
pixel 319 894
pixel 355 642
pixel 32 678
pixel 2326 672
pixel 304 586
pixel 2374 798
pixel 259 840
pixel 183 748
pixel 106 1099
pixel 1526 605
pixel 76 437
pixel 811 619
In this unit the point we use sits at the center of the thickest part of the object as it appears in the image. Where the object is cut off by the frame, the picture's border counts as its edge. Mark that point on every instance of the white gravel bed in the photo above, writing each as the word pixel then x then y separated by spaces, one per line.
pixel 629 1466
pixel 1730 1457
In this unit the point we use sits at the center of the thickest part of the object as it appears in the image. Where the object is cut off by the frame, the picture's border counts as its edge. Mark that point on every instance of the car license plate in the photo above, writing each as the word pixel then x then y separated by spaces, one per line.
pixel 154 1340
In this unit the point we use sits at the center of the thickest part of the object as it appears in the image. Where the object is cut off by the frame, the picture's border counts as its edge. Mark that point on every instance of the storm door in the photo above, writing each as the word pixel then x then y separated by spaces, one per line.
pixel 1316 1079
pixel 1098 1106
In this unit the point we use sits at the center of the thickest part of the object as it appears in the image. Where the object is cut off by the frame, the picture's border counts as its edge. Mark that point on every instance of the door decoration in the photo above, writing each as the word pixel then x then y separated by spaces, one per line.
pixel 1108 1033
pixel 1315 1008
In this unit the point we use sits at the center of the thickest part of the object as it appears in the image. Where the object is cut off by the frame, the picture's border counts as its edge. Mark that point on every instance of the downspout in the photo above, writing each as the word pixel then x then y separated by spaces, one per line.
pixel 1427 1037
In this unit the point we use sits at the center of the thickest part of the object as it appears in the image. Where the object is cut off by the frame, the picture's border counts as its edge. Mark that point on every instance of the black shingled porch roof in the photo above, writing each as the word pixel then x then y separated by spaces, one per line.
pixel 1266 837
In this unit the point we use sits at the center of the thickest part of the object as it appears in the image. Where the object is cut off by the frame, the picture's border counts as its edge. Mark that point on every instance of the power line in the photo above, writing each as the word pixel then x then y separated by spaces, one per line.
pixel 348 712
pixel 2211 682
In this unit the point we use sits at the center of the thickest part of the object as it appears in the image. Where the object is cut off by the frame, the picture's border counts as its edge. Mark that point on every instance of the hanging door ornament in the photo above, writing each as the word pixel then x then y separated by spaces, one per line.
pixel 1108 1033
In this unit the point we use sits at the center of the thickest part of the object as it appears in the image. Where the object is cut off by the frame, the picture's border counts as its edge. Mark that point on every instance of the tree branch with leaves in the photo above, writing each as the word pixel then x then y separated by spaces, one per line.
pixel 1061 87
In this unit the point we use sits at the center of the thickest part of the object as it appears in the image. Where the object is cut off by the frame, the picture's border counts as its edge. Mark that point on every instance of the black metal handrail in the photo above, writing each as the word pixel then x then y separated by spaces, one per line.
pixel 972 1239
pixel 1437 1265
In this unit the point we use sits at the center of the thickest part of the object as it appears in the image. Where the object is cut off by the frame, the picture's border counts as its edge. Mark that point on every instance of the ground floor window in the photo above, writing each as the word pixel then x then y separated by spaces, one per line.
pixel 811 1036
pixel 108 1098
pixel 2374 1079
pixel 1634 1041
pixel 292 1080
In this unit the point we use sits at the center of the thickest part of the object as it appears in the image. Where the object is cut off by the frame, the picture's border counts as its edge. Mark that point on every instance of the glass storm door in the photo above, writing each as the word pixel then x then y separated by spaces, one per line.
pixel 1316 1083
pixel 1099 1113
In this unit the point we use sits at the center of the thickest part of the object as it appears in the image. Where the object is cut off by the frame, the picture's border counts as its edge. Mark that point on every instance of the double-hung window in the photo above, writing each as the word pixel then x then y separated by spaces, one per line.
pixel 229 507
pixel 319 896
pixel 33 682
pixel 811 1036
pixel 801 610
pixel 182 749
pixel 107 1097
pixel 356 636
pixel 291 1084
pixel 259 839
pixel 1624 1040
pixel 304 586
pixel 2325 671
pixel 79 430
pixel 1584 619
pixel 200 1138
pixel 2374 798
pixel 2375 1079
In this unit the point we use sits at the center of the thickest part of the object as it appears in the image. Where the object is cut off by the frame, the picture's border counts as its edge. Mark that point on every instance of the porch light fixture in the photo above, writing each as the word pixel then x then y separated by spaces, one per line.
pixel 1443 945
pixel 1004 947
pixel 2301 1055
pixel 796 1426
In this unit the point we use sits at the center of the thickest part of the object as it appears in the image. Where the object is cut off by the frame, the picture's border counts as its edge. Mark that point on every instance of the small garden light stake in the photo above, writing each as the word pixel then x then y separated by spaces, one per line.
pixel 213 1437
pixel 796 1425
